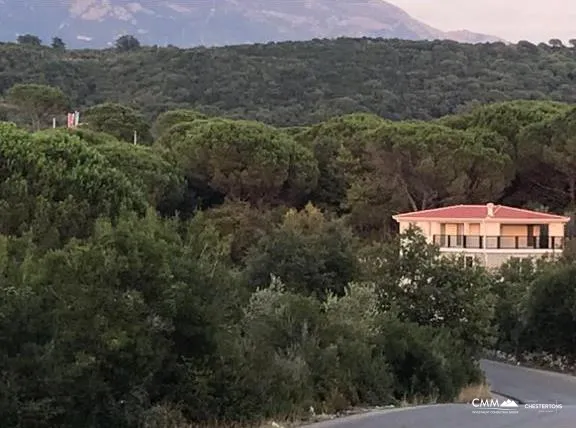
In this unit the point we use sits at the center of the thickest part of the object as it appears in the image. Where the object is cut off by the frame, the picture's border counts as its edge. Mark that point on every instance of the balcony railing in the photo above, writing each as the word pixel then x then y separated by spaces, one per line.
pixel 500 242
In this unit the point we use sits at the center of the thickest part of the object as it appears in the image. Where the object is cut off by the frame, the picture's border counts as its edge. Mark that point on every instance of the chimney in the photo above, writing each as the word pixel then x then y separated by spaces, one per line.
pixel 490 209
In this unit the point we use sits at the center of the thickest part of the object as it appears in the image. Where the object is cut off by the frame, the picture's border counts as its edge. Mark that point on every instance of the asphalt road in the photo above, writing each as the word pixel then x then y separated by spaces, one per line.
pixel 527 386
pixel 530 385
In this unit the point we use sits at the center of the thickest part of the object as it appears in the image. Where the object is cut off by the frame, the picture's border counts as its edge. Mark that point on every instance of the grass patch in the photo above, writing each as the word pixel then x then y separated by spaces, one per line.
pixel 470 392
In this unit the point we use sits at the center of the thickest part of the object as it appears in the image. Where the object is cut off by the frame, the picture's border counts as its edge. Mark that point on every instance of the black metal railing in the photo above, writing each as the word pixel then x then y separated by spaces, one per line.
pixel 500 242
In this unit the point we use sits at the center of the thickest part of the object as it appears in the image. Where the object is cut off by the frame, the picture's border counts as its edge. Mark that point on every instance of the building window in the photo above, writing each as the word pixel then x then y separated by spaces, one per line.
pixel 469 261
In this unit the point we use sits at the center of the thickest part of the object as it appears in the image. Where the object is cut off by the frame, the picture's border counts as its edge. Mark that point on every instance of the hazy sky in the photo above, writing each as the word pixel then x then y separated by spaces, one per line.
pixel 513 20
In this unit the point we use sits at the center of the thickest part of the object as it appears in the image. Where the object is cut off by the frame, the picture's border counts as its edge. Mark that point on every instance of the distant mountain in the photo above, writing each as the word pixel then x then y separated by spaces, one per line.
pixel 98 23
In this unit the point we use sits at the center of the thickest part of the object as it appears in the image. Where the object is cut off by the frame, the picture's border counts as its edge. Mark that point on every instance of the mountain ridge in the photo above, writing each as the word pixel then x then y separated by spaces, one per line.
pixel 186 23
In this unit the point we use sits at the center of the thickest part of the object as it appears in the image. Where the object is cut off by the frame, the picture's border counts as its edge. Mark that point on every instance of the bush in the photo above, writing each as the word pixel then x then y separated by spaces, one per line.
pixel 99 331
pixel 432 290
pixel 534 313
pixel 292 352
pixel 551 316
pixel 310 253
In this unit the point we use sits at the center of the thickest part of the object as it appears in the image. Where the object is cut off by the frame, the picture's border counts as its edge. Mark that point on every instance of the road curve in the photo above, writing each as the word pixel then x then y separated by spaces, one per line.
pixel 528 386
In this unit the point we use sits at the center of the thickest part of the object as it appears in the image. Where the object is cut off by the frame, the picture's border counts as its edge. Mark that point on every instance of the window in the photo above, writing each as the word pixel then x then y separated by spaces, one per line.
pixel 459 235
pixel 469 261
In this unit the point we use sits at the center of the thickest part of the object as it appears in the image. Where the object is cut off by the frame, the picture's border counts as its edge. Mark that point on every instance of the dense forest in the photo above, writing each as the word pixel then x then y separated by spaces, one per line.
pixel 226 270
pixel 300 83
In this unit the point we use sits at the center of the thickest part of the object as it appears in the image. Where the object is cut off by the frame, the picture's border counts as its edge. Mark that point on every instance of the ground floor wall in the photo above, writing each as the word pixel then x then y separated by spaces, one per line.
pixel 494 259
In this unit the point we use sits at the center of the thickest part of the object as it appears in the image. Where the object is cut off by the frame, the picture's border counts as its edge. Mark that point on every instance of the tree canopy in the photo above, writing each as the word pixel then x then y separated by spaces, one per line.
pixel 165 121
pixel 29 39
pixel 301 83
pixel 57 187
pixel 118 120
pixel 38 102
pixel 245 160
pixel 127 43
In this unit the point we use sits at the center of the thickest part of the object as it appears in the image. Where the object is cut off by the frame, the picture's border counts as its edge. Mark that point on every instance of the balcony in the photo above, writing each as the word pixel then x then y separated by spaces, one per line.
pixel 500 242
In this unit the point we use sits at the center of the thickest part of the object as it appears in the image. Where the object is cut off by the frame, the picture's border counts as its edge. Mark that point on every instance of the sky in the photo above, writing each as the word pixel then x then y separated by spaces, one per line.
pixel 512 20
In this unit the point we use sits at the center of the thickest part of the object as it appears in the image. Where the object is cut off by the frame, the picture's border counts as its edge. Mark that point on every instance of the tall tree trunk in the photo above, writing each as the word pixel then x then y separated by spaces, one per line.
pixel 411 200
pixel 35 122
pixel 572 192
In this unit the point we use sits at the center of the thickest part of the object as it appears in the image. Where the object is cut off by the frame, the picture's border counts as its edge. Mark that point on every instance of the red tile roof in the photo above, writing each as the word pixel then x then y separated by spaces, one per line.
pixel 480 212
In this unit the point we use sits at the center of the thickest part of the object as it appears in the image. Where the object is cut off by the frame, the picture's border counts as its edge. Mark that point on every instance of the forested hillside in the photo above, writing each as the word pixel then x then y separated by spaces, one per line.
pixel 302 83
pixel 224 271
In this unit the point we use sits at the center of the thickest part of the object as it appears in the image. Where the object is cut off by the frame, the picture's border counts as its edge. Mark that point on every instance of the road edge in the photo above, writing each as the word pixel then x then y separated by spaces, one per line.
pixel 529 365
pixel 376 412
pixel 532 368
pixel 367 414
pixel 507 397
